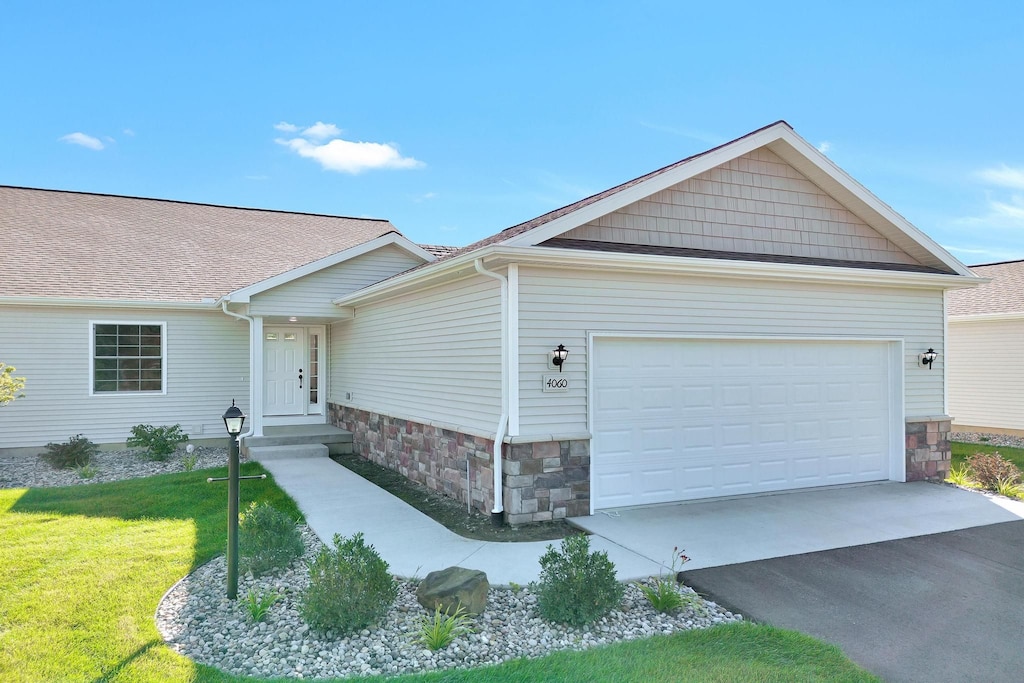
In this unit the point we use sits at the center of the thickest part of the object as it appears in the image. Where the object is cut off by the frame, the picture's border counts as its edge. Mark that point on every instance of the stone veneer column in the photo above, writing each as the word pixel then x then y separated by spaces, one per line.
pixel 546 480
pixel 928 449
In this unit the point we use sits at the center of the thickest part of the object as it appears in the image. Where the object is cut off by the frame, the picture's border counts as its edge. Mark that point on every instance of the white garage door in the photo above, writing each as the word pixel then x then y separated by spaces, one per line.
pixel 684 419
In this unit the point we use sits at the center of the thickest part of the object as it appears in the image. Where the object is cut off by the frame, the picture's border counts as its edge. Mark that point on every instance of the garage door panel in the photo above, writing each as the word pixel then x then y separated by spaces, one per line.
pixel 675 420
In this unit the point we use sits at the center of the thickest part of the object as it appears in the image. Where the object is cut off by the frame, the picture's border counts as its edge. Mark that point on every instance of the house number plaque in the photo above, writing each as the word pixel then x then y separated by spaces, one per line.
pixel 556 383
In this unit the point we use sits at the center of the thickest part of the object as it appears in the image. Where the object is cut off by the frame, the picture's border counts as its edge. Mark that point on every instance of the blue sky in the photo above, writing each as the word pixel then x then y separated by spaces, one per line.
pixel 457 119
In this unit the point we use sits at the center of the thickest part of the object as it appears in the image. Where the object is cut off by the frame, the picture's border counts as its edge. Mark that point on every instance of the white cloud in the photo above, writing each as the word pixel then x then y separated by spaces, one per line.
pixel 426 196
pixel 345 156
pixel 286 127
pixel 825 146
pixel 129 132
pixel 1004 176
pixel 322 131
pixel 83 140
pixel 692 133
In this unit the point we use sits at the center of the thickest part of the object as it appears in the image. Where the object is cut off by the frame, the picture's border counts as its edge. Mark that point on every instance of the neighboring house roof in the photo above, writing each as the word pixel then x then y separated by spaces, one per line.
pixel 78 245
pixel 438 250
pixel 1004 294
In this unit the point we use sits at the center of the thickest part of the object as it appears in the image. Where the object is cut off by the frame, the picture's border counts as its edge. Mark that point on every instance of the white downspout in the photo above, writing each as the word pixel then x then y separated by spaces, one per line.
pixel 252 363
pixel 499 436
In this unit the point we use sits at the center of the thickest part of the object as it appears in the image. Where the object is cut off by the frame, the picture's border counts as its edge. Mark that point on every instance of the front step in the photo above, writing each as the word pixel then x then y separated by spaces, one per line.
pixel 308 450
pixel 338 441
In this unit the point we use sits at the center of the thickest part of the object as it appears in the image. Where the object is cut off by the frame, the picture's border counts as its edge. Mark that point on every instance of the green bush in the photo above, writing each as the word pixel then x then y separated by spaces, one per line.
pixel 576 586
pixel 268 539
pixel 159 442
pixel 76 452
pixel 349 587
pixel 988 469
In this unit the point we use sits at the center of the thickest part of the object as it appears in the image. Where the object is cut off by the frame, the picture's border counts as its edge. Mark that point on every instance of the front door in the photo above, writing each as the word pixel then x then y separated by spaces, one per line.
pixel 284 379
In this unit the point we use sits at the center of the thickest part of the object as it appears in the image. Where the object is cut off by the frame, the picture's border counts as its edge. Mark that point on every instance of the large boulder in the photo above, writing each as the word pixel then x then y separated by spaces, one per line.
pixel 454 586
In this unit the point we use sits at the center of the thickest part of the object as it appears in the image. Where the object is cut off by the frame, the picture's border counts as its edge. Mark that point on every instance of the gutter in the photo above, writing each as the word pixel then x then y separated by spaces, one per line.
pixel 252 363
pixel 499 435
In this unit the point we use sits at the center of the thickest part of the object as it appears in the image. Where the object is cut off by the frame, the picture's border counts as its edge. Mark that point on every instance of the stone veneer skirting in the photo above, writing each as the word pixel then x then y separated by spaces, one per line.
pixel 542 481
pixel 928 449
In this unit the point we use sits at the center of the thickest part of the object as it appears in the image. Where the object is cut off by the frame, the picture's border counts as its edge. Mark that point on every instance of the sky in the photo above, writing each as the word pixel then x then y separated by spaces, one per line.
pixel 455 120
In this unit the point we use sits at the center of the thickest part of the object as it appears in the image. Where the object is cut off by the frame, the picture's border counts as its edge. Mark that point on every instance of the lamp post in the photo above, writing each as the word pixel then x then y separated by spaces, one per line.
pixel 233 421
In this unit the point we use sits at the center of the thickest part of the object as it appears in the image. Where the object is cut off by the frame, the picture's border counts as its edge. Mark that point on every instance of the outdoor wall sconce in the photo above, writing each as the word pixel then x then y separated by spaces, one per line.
pixel 927 358
pixel 558 356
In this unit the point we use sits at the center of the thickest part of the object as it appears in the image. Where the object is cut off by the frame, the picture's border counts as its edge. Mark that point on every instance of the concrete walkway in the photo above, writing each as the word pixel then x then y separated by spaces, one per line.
pixel 639 541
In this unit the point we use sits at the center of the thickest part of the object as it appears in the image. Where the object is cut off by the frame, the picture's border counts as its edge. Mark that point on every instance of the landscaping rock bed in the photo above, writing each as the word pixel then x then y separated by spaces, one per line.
pixel 988 439
pixel 197 620
pixel 34 472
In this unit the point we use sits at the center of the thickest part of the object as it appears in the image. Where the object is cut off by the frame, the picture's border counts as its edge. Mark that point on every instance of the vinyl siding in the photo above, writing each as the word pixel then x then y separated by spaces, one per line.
pixel 986 376
pixel 207 360
pixel 432 356
pixel 558 307
pixel 311 296
pixel 756 204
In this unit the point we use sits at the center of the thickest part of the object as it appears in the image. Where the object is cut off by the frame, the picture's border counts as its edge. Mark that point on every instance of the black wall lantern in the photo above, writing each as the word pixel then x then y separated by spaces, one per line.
pixel 928 357
pixel 558 356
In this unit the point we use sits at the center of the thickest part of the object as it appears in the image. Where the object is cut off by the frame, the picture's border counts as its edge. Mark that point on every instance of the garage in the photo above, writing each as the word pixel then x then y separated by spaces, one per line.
pixel 683 419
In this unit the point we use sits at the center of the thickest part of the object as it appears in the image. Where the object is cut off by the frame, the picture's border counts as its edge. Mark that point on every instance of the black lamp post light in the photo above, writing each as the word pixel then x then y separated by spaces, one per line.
pixel 234 418
pixel 558 356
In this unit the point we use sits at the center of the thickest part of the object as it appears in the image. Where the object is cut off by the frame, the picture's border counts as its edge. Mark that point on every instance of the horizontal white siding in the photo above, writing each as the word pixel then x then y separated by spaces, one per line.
pixel 207 359
pixel 756 204
pixel 434 355
pixel 560 307
pixel 311 296
pixel 986 373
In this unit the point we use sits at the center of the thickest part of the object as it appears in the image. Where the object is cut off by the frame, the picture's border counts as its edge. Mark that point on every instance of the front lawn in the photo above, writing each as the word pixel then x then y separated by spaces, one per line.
pixel 84 568
pixel 961 451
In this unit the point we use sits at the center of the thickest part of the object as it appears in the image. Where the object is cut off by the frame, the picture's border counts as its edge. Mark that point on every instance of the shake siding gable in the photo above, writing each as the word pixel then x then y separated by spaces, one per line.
pixel 756 203
pixel 433 356
pixel 676 305
pixel 207 359
pixel 985 373
pixel 311 296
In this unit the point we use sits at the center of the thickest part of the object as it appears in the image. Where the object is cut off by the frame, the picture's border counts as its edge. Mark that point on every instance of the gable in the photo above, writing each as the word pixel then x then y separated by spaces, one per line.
pixel 755 203
pixel 310 296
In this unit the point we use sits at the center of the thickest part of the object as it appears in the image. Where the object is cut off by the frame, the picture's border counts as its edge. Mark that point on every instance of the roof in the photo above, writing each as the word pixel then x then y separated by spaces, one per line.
pixel 1004 294
pixel 438 250
pixel 78 245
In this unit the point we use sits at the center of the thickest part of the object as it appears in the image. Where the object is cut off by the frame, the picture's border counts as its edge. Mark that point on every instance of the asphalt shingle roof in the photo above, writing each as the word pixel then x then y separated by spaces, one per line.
pixel 78 245
pixel 1004 294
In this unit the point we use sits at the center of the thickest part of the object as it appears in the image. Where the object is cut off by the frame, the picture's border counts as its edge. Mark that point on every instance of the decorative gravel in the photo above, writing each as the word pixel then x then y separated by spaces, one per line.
pixel 197 620
pixel 34 472
pixel 988 439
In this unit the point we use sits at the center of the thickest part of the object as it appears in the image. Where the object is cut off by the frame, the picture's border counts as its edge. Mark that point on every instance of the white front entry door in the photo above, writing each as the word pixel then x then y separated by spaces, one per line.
pixel 684 419
pixel 284 376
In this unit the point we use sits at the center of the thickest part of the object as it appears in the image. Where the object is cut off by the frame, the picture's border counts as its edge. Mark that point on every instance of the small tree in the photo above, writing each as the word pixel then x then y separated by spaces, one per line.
pixel 10 386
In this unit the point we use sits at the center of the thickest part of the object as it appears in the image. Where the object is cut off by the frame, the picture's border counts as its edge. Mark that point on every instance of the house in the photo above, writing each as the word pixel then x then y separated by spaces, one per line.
pixel 986 343
pixel 747 320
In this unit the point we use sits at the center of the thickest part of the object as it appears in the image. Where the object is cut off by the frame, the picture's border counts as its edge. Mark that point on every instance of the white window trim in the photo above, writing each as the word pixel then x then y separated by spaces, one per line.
pixel 92 357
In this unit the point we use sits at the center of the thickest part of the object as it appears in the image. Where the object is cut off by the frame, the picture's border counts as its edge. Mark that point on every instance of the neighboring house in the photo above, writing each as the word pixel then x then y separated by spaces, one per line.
pixel 986 344
pixel 746 320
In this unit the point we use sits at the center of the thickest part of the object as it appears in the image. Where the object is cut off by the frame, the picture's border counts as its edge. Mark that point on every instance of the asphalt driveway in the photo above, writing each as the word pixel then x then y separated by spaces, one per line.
pixel 942 607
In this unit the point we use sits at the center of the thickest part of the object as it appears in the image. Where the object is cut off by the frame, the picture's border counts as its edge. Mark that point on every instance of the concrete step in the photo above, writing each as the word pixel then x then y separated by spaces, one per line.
pixel 289 452
pixel 338 441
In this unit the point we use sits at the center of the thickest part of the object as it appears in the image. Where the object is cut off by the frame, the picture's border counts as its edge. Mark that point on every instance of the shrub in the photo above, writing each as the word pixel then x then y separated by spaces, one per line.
pixel 268 539
pixel 989 468
pixel 159 442
pixel 439 630
pixel 1008 488
pixel 349 587
pixel 664 594
pixel 961 476
pixel 576 586
pixel 76 452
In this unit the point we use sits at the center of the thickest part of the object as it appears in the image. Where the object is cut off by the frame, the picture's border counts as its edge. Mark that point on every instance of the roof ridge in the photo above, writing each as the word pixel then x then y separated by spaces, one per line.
pixel 188 203
pixel 997 263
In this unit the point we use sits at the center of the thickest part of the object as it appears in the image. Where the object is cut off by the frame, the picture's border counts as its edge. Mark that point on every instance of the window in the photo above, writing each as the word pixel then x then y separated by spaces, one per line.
pixel 127 357
pixel 314 368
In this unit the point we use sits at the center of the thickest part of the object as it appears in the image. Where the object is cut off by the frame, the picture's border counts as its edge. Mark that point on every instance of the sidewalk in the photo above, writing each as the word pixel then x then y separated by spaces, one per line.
pixel 337 501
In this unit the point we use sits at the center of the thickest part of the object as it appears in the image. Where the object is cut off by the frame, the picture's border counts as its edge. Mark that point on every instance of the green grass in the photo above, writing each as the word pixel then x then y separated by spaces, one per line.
pixel 84 568
pixel 961 451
